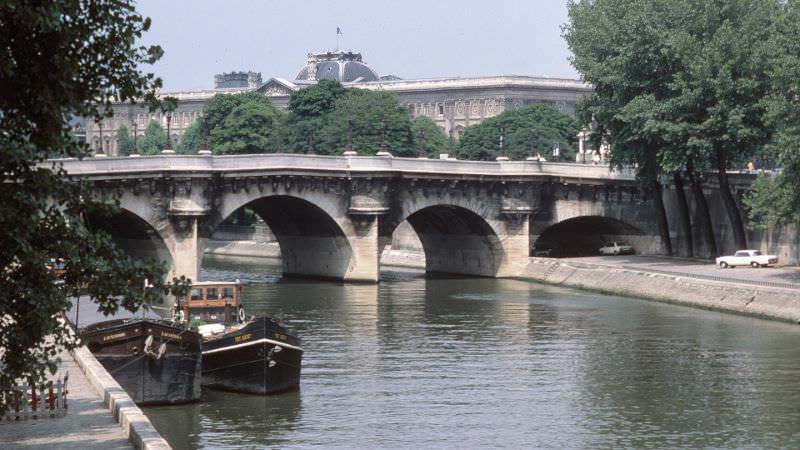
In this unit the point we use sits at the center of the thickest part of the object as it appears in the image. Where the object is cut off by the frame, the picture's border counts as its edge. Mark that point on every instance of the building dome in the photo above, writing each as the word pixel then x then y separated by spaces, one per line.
pixel 345 67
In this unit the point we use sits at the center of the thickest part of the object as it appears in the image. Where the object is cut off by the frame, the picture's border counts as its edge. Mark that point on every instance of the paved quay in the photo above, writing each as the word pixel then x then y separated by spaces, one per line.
pixel 776 276
pixel 88 424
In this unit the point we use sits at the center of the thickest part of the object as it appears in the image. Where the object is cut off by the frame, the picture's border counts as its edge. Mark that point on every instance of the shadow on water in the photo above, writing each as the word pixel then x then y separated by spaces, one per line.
pixel 229 420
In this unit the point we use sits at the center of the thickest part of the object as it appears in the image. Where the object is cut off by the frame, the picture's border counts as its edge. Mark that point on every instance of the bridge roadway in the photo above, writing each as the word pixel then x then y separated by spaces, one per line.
pixel 333 215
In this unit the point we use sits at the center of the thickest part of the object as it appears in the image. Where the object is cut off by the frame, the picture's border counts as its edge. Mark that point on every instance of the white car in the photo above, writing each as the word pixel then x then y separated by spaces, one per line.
pixel 752 258
pixel 616 249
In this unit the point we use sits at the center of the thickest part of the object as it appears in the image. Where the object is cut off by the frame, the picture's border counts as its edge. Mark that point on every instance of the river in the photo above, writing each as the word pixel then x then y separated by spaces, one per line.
pixel 417 362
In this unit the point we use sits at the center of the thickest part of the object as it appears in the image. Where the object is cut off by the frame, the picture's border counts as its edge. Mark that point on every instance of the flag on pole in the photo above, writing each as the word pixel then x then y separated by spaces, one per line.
pixel 338 30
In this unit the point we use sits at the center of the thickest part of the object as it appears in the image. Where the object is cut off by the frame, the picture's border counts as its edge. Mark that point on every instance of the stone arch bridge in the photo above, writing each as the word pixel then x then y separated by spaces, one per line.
pixel 333 215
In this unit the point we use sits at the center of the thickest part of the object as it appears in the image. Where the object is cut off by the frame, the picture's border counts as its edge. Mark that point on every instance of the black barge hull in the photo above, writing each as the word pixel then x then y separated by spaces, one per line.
pixel 151 374
pixel 260 358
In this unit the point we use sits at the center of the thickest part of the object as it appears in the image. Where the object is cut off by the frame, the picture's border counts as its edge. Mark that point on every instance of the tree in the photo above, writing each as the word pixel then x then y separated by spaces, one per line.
pixel 60 59
pixel 536 127
pixel 248 128
pixel 309 110
pixel 678 84
pixel 192 140
pixel 326 111
pixel 124 141
pixel 154 139
pixel 436 142
pixel 775 199
pixel 240 123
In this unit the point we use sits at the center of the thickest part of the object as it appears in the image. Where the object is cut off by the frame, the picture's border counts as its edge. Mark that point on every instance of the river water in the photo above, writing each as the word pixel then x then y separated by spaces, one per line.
pixel 417 362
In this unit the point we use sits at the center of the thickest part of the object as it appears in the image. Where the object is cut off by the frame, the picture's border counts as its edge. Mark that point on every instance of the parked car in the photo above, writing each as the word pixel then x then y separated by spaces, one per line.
pixel 616 249
pixel 752 258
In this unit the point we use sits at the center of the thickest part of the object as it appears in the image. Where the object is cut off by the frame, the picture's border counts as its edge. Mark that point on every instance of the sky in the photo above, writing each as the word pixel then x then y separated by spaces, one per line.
pixel 409 38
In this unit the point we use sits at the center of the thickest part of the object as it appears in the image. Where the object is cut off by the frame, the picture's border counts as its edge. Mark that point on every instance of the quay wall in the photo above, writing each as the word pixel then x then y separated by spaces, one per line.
pixel 748 299
pixel 133 421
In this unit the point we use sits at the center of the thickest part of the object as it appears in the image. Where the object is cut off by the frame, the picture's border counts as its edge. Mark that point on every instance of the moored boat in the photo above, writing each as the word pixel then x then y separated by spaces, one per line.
pixel 155 361
pixel 258 356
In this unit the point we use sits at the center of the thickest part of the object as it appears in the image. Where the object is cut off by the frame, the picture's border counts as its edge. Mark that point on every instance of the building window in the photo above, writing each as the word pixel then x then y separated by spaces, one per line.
pixel 441 109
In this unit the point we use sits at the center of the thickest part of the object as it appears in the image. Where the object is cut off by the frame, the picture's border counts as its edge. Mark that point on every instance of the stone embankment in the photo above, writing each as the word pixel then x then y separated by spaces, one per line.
pixel 778 301
pixel 755 299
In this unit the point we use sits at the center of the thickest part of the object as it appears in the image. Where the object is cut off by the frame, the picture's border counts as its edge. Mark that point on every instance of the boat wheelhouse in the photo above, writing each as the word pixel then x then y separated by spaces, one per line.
pixel 254 355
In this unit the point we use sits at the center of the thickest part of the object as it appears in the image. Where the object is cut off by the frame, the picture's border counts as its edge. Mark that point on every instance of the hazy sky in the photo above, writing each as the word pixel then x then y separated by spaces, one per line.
pixel 409 38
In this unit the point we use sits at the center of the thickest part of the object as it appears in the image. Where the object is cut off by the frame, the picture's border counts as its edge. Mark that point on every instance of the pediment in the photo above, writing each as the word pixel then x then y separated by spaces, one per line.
pixel 277 87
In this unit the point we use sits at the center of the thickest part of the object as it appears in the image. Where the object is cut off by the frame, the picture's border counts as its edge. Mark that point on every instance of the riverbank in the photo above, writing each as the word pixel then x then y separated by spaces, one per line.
pixel 736 296
pixel 100 415
pixel 693 283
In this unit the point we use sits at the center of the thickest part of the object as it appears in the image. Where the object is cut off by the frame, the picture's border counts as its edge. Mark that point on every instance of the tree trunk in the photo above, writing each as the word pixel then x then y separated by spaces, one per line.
pixel 703 215
pixel 730 203
pixel 661 216
pixel 683 215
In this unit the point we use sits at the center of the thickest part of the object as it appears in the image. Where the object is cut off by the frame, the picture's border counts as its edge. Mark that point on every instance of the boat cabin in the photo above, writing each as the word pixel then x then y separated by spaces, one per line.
pixel 213 302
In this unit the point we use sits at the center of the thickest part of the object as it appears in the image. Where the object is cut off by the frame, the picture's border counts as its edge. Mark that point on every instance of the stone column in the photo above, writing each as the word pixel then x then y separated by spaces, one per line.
pixel 184 242
pixel 367 206
pixel 514 236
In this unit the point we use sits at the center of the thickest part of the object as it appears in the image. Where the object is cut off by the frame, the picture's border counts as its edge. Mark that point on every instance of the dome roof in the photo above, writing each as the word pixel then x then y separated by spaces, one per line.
pixel 345 67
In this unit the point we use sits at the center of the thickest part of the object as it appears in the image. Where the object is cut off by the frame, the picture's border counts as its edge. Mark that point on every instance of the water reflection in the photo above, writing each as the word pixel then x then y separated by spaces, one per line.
pixel 455 362
pixel 229 420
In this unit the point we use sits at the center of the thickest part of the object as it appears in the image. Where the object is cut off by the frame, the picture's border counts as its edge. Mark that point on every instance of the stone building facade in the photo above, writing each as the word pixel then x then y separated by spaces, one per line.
pixel 452 103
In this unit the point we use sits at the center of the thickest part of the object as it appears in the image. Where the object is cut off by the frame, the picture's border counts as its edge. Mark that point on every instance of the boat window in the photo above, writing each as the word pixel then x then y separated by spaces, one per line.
pixel 227 293
pixel 211 293
pixel 197 294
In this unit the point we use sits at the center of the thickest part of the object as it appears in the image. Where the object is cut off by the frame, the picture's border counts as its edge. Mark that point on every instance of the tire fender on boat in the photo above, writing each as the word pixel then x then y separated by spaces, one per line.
pixel 241 314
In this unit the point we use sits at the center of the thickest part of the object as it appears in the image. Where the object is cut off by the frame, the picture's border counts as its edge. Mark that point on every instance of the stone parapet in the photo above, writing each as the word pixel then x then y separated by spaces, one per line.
pixel 134 423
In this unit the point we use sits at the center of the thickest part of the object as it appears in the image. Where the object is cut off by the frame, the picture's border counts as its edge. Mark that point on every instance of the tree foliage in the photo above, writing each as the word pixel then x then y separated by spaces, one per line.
pixel 776 197
pixel 124 141
pixel 678 84
pixel 537 126
pixel 191 140
pixel 60 59
pixel 325 109
pixel 153 140
pixel 241 123
pixel 436 142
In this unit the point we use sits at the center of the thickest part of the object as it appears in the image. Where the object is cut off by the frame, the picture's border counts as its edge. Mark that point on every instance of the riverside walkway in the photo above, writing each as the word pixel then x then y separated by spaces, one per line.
pixel 87 425
pixel 777 276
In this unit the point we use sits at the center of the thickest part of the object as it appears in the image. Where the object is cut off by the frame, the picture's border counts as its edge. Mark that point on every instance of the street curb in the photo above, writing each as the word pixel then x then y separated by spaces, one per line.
pixel 134 423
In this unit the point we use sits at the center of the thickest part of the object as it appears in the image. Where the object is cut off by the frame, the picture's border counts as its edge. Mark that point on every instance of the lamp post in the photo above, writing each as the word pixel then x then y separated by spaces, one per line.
pixel 348 151
pixel 168 146
pixel 502 156
pixel 205 150
pixel 383 150
pixel 312 149
pixel 135 151
pixel 422 154
pixel 531 156
pixel 100 152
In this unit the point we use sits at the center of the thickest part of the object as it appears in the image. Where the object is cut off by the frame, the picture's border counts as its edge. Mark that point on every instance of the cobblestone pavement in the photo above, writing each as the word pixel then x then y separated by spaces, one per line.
pixel 87 425
pixel 780 276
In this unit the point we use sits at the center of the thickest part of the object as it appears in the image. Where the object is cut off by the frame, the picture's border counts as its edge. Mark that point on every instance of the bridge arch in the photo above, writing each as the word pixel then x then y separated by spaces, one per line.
pixel 134 235
pixel 312 242
pixel 457 240
pixel 584 235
